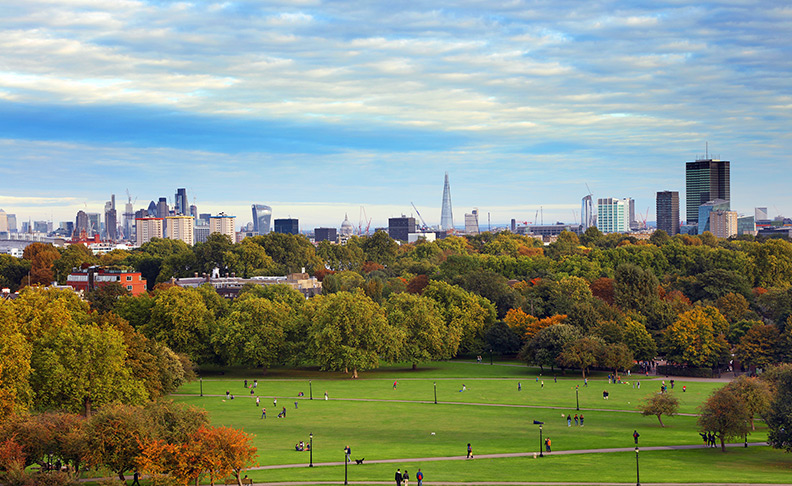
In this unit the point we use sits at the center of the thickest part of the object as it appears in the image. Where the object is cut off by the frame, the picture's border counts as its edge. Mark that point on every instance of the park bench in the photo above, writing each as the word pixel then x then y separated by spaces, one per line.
pixel 233 481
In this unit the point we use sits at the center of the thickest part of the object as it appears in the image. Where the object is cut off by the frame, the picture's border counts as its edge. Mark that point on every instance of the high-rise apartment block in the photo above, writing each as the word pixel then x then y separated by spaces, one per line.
pixel 613 215
pixel 472 222
pixel 668 212
pixel 262 216
pixel 148 228
pixel 223 224
pixel 181 228
pixel 723 224
pixel 706 180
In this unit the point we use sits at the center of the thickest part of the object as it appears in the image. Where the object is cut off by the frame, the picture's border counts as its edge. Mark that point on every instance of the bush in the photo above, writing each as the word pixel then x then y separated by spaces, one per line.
pixel 685 371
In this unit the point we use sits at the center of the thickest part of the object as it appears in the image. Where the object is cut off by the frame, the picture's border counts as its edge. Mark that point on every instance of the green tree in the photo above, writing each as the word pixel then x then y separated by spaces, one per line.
pixel 380 248
pixel 733 307
pixel 697 338
pixel 12 271
pixel 548 344
pixel 759 346
pixel 725 415
pixel 639 341
pixel 289 253
pixel 659 238
pixel 214 253
pixel 659 404
pixel 15 353
pixel 423 332
pixel 635 288
pixel 104 298
pixel 582 353
pixel 135 310
pixel 350 331
pixel 466 315
pixel 71 257
pixel 754 393
pixel 180 320
pixel 779 416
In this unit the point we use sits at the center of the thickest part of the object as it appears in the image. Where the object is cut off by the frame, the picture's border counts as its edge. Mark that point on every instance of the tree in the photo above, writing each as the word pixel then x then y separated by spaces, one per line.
pixel 12 271
pixel 733 306
pixel 180 320
pixel 582 353
pixel 41 257
pixel 466 315
pixel 521 323
pixel 779 416
pixel 759 346
pixel 104 298
pixel 639 341
pixel 380 248
pixel 635 288
pixel 349 331
pixel 115 435
pixel 423 331
pixel 71 257
pixel 697 338
pixel 659 404
pixel 725 415
pixel 289 253
pixel 548 344
pixel 754 393
pixel 225 451
pixel 659 238
pixel 15 352
pixel 616 357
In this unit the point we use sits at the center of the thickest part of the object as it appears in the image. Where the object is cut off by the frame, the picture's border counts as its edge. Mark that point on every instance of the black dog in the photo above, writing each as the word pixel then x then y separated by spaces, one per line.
pixel 360 461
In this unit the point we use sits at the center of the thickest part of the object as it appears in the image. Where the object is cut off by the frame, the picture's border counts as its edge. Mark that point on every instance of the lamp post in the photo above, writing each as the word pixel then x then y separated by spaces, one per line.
pixel 346 461
pixel 310 457
pixel 637 469
pixel 310 388
pixel 577 396
pixel 201 380
pixel 435 390
pixel 490 357
pixel 541 442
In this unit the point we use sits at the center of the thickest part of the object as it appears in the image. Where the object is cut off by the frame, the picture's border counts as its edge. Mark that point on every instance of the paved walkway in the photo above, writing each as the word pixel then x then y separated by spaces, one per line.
pixel 513 483
pixel 513 454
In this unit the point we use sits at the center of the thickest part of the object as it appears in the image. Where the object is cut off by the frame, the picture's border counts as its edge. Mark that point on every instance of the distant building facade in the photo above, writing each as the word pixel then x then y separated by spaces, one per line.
pixel 400 228
pixel 223 224
pixel 180 228
pixel 472 222
pixel 746 225
pixel 289 226
pixel 148 228
pixel 587 216
pixel 723 224
pixel 705 210
pixel 667 210
pixel 325 234
pixel 181 205
pixel 230 286
pixel 706 180
pixel 613 215
pixel 446 213
pixel 262 216
pixel 96 277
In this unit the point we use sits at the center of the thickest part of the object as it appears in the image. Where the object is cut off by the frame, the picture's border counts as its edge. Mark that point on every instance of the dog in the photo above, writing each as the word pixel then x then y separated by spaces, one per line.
pixel 359 461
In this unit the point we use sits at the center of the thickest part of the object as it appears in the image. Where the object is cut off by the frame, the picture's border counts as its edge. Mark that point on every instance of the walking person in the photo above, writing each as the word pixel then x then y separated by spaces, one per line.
pixel 275 403
pixel 581 420
pixel 419 477
pixel 258 400
pixel 569 420
pixel 405 478
pixel 519 386
pixel 469 452
pixel 576 420
pixel 635 436
pixel 325 395
pixel 264 412
pixel 136 479
pixel 348 452
pixel 547 445
pixel 245 383
pixel 398 477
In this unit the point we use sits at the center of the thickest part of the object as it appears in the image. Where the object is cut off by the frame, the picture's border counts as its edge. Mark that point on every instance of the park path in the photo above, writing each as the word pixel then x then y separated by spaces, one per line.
pixel 506 455
pixel 476 404
pixel 512 483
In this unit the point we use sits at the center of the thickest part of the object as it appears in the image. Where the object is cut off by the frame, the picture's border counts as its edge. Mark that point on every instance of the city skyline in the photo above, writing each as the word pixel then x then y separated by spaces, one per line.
pixel 316 109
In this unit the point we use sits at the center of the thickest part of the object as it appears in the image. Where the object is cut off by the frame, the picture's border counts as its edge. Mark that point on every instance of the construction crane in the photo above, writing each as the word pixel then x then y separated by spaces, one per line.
pixel 363 219
pixel 129 198
pixel 424 226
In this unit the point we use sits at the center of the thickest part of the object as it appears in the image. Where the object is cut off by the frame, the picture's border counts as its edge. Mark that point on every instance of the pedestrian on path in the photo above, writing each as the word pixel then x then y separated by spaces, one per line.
pixel 394 384
pixel 275 403
pixel 635 436
pixel 581 420
pixel 419 477
pixel 325 395
pixel 245 383
pixel 469 452
pixel 547 445
pixel 398 477
pixel 405 478
pixel 542 383
pixel 585 381
pixel 136 479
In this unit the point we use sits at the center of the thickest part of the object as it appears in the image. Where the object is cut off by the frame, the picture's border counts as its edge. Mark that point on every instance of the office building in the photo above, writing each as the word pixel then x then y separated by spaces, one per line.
pixel 223 224
pixel 289 226
pixel 705 210
pixel 706 180
pixel 42 227
pixel 325 234
pixel 760 214
pixel 94 223
pixel 152 210
pixel 633 224
pixel 111 219
pixel 400 228
pixel 446 214
pixel 194 211
pixel 129 220
pixel 746 225
pixel 262 216
pixel 667 210
pixel 82 225
pixel 148 228
pixel 587 216
pixel 181 228
pixel 723 224
pixel 203 219
pixel 613 215
pixel 3 221
pixel 11 220
pixel 181 206
pixel 201 232
pixel 472 222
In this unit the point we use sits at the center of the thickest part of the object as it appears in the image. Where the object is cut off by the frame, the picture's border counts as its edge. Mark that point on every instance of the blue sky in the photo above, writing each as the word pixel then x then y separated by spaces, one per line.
pixel 317 108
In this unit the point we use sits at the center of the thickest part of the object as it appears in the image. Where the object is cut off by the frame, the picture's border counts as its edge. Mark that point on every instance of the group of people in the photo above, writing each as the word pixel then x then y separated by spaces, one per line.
pixel 403 478
pixel 578 420
pixel 710 439
pixel 302 446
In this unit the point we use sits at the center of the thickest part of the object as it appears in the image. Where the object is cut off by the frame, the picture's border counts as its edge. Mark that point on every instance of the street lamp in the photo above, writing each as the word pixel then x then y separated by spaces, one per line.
pixel 637 469
pixel 310 388
pixel 310 464
pixel 346 461
pixel 577 396
pixel 435 389
pixel 201 380
pixel 490 357
pixel 541 442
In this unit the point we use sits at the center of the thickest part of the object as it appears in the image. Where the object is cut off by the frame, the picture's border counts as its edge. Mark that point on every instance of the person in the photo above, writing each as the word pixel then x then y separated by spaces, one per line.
pixel 542 383
pixel 635 436
pixel 569 420
pixel 469 452
pixel 284 412
pixel 136 479
pixel 295 404
pixel 576 419
pixel 585 381
pixel 639 384
pixel 684 388
pixel 581 420
pixel 227 393
pixel 394 384
pixel 555 379
pixel 405 477
pixel 255 383
pixel 605 394
pixel 519 386
pixel 672 384
pixel 704 438
pixel 245 383
pixel 348 452
pixel 264 412
pixel 464 388
pixel 547 445
pixel 398 477
pixel 251 391
pixel 275 402
pixel 232 396
pixel 325 395
pixel 419 477
pixel 258 400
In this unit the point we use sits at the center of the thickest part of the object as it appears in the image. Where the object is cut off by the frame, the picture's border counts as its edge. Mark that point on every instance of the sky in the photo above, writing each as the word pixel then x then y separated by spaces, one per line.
pixel 318 108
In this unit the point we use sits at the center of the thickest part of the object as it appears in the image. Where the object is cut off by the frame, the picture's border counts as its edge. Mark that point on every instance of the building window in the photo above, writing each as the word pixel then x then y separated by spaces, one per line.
pixel 129 287
pixel 129 278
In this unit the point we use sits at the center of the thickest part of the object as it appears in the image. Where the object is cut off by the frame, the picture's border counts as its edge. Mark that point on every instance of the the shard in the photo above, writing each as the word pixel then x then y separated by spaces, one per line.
pixel 446 215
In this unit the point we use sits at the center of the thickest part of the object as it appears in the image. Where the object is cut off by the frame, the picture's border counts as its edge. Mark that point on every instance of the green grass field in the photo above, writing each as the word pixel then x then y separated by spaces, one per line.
pixel 380 423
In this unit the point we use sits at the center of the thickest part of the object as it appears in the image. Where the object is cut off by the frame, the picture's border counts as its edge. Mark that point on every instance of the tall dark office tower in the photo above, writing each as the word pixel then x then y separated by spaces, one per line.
pixel 446 214
pixel 287 225
pixel 163 212
pixel 707 180
pixel 152 209
pixel 668 212
pixel 400 228
pixel 194 211
pixel 111 224
pixel 180 202
pixel 262 214
pixel 81 224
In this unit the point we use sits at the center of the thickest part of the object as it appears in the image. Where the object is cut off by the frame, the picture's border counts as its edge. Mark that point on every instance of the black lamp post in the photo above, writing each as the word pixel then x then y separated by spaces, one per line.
pixel 310 388
pixel 637 469
pixel 490 357
pixel 577 396
pixel 435 390
pixel 310 463
pixel 346 461
pixel 541 442
pixel 201 380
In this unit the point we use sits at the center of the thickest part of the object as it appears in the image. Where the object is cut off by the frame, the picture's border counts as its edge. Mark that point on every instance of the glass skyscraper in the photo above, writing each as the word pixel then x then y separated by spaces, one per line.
pixel 707 180
pixel 262 216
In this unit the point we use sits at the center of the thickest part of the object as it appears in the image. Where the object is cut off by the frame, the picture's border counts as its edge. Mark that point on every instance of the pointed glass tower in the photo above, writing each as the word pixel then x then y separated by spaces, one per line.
pixel 446 215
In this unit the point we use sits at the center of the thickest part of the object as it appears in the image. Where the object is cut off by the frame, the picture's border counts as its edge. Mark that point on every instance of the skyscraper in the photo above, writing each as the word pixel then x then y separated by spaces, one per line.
pixel 706 180
pixel 446 214
pixel 613 215
pixel 289 226
pixel 163 212
pixel 400 228
pixel 182 207
pixel 668 212
pixel 587 218
pixel 111 219
pixel 81 224
pixel 3 221
pixel 262 215
pixel 12 223
pixel 152 210
pixel 472 222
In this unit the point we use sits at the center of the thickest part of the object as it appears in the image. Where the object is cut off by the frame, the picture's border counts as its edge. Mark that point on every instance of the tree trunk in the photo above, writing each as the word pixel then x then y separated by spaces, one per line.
pixel 354 373
pixel 660 420
pixel 236 475
pixel 415 366
pixel 87 407
pixel 584 373
pixel 723 444
pixel 121 476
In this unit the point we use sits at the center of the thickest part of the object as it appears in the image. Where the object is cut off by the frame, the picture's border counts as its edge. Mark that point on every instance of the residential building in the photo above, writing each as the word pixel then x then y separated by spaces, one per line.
pixel 472 222
pixel 289 226
pixel 723 224
pixel 223 224
pixel 706 180
pixel 262 215
pixel 180 228
pixel 705 210
pixel 613 215
pixel 95 277
pixel 325 234
pixel 400 228
pixel 148 228
pixel 667 211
